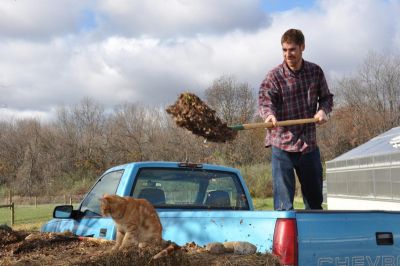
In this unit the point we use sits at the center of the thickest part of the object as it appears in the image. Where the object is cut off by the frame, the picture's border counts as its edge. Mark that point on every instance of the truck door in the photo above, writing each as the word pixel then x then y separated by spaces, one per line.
pixel 87 220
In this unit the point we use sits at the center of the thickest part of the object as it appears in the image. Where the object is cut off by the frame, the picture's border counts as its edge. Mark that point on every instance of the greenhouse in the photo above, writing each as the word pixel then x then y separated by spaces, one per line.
pixel 367 177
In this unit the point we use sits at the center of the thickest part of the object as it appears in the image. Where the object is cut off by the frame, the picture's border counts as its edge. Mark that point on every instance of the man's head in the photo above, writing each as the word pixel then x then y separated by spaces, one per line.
pixel 292 42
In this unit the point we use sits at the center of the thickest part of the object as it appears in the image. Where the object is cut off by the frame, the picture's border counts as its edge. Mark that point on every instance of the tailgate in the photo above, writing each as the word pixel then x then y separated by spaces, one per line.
pixel 348 237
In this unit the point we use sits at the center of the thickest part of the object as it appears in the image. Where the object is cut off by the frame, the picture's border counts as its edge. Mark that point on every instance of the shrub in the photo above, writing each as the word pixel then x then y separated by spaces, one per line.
pixel 258 178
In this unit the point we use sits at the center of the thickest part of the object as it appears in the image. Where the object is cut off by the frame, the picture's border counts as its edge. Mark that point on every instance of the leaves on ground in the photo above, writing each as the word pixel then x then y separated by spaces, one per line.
pixel 23 248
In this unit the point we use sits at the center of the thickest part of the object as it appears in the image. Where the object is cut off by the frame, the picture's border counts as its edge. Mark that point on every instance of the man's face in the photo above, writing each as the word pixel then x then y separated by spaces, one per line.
pixel 292 53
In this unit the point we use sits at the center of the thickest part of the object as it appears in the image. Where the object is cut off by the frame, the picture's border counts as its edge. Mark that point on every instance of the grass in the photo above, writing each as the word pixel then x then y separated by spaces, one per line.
pixel 27 217
pixel 267 203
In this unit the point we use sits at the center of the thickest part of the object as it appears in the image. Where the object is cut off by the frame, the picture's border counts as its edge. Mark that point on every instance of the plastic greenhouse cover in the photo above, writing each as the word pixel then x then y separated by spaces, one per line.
pixel 386 143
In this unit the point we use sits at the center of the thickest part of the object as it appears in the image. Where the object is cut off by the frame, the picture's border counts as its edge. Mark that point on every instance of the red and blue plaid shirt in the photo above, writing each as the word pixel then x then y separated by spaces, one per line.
pixel 294 95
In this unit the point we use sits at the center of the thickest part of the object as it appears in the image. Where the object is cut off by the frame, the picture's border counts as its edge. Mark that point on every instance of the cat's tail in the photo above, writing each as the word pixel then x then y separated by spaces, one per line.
pixel 168 251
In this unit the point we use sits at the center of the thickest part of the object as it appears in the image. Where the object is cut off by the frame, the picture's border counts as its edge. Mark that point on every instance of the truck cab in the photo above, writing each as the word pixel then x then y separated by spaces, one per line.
pixel 172 188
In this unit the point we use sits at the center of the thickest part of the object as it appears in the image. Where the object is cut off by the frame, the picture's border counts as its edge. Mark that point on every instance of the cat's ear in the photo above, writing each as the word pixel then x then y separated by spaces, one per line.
pixel 105 198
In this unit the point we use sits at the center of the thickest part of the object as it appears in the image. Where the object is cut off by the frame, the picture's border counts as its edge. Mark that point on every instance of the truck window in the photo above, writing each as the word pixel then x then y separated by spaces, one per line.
pixel 190 188
pixel 108 183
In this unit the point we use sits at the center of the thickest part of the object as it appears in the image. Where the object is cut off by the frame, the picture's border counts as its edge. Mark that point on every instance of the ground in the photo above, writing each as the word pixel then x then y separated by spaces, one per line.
pixel 33 248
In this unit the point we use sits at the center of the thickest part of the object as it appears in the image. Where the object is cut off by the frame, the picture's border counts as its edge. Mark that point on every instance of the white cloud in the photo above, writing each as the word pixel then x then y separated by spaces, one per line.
pixel 144 51
pixel 35 20
pixel 340 33
pixel 176 18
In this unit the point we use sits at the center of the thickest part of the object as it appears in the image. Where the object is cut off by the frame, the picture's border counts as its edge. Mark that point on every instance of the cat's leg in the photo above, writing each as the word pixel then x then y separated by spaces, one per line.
pixel 119 239
pixel 130 239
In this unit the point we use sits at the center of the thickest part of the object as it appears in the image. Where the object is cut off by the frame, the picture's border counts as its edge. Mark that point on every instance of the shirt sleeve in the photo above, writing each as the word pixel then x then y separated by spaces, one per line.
pixel 268 97
pixel 325 97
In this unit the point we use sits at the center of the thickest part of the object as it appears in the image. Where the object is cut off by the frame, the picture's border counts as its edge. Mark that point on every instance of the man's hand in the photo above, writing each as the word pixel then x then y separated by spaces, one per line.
pixel 271 118
pixel 321 116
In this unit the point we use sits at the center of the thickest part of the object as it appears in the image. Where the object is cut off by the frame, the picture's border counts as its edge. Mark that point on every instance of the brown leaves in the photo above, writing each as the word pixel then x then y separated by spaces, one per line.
pixel 16 248
pixel 190 112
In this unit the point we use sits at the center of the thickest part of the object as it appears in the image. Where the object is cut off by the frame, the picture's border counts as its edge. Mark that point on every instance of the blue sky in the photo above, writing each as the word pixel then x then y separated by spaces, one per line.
pixel 282 5
pixel 57 52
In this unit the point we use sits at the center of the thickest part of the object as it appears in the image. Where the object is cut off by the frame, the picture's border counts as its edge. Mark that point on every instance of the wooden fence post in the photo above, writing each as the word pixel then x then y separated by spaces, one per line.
pixel 12 213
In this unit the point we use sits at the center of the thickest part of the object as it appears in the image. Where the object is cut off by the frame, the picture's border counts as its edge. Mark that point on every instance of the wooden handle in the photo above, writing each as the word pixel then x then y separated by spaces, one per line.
pixel 278 124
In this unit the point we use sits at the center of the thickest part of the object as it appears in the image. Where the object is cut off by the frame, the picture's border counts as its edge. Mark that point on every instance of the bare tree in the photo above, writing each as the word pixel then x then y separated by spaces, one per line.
pixel 375 87
pixel 12 149
pixel 129 133
pixel 24 155
pixel 368 104
pixel 171 143
pixel 234 102
pixel 82 137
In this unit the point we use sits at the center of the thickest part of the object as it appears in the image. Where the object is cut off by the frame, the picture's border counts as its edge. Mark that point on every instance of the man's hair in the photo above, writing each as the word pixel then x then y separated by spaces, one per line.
pixel 293 36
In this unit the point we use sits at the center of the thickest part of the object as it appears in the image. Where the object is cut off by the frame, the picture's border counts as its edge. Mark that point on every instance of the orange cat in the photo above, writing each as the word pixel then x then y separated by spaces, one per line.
pixel 136 219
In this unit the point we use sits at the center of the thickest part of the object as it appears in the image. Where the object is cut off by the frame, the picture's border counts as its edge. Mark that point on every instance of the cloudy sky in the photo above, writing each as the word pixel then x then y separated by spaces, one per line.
pixel 56 52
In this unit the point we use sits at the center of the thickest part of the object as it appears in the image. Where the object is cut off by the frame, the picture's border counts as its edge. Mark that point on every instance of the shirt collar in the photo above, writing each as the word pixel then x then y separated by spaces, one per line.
pixel 292 73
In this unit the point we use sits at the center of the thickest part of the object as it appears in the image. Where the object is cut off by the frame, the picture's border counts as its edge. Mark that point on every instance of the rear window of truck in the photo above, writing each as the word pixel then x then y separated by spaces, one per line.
pixel 190 188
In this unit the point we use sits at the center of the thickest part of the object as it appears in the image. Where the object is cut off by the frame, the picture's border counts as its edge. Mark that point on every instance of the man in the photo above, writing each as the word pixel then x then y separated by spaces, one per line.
pixel 295 89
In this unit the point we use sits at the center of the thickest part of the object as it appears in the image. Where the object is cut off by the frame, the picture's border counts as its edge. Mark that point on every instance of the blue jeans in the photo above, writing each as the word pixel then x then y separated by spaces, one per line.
pixel 309 171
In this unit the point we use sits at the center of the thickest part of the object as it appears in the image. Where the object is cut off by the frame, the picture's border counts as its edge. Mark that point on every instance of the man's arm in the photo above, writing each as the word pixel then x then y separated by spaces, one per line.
pixel 325 100
pixel 268 98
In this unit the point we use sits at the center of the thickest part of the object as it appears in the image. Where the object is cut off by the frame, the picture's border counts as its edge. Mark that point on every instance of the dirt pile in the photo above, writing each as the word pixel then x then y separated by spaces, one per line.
pixel 22 248
pixel 190 112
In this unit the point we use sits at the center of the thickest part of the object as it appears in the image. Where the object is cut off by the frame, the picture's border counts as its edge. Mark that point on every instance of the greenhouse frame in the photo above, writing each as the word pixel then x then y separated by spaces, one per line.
pixel 366 177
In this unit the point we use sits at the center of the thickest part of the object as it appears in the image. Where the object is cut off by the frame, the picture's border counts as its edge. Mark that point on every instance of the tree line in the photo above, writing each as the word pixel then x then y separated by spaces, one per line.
pixel 69 152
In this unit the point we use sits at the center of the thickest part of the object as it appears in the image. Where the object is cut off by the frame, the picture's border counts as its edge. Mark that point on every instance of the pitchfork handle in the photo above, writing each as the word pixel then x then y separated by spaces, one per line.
pixel 278 124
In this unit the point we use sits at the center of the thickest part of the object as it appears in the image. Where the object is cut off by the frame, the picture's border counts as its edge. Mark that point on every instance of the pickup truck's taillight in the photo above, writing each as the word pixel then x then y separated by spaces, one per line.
pixel 285 241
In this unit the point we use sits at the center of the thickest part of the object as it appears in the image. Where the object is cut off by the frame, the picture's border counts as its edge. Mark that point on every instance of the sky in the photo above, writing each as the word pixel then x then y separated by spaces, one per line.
pixel 57 52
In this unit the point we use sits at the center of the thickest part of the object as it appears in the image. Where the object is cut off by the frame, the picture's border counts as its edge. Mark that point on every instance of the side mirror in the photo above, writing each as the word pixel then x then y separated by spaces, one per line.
pixel 63 211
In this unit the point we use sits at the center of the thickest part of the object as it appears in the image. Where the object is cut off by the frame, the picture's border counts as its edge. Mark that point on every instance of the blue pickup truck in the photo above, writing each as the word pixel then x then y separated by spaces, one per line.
pixel 209 203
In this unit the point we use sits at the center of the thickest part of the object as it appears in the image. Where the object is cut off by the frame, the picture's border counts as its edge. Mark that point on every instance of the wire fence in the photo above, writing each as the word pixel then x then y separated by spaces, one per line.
pixel 12 211
pixel 36 200
pixel 11 202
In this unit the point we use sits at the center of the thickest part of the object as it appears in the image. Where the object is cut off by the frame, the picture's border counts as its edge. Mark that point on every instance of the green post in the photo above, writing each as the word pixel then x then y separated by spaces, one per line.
pixel 237 127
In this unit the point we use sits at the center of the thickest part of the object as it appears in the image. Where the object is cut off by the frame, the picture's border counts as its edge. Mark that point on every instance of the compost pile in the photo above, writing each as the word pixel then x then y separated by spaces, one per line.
pixel 25 248
pixel 190 112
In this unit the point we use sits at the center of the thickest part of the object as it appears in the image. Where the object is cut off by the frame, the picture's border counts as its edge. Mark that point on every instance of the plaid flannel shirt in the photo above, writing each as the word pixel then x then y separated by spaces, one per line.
pixel 288 95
